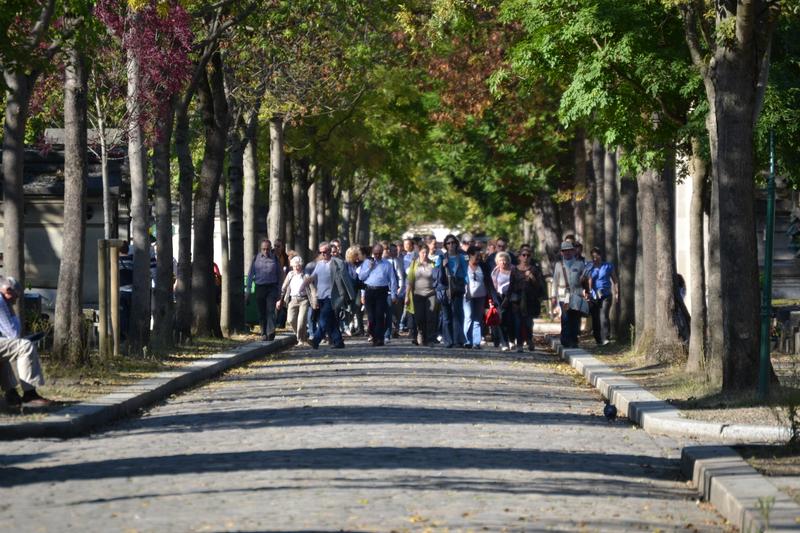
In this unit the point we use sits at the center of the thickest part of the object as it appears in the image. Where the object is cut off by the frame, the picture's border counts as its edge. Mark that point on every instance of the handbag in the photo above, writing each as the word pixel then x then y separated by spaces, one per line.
pixel 492 316
pixel 578 303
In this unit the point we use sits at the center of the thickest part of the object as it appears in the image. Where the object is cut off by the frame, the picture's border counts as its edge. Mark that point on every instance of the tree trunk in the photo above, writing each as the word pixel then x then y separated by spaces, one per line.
pixel 546 223
pixel 224 261
pixel 589 218
pixel 288 204
pixel 331 207
pixel 101 130
pixel 697 340
pixel 347 209
pixel 163 308
pixel 611 194
pixel 628 238
pixel 732 164
pixel 300 202
pixel 139 331
pixel 647 234
pixel 668 344
pixel 638 298
pixel 69 343
pixel 364 229
pixel 580 194
pixel 313 217
pixel 18 95
pixel 236 266
pixel 214 107
pixel 183 285
pixel 275 217
pixel 598 164
pixel 250 204
pixel 566 218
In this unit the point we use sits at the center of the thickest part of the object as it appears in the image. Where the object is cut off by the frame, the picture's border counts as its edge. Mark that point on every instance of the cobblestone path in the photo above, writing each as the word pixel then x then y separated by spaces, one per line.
pixel 390 439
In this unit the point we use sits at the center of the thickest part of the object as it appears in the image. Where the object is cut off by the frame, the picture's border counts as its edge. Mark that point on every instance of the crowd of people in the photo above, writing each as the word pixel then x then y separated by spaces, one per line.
pixel 457 292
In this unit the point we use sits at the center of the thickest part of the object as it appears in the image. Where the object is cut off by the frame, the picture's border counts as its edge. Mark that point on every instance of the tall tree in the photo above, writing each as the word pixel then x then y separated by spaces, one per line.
pixel 732 53
pixel 22 64
pixel 69 341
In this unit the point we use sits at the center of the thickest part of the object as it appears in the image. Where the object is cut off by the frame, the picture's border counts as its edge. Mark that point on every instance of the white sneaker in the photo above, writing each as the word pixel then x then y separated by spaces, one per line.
pixel 505 348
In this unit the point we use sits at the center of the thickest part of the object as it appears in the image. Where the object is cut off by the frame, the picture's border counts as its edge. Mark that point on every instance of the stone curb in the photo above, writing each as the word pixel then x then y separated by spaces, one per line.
pixel 736 489
pixel 80 418
pixel 655 415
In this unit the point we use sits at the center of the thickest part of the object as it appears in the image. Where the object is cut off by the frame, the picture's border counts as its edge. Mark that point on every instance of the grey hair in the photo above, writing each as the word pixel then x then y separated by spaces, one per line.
pixel 10 283
pixel 501 255
pixel 323 244
pixel 296 260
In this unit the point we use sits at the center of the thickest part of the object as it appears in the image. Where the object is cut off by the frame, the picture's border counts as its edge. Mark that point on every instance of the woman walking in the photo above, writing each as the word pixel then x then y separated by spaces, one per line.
pixel 501 283
pixel 421 297
pixel 297 298
pixel 525 289
pixel 475 298
pixel 450 290
pixel 603 286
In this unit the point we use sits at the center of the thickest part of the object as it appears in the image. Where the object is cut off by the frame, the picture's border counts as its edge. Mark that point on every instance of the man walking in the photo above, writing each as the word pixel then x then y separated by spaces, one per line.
pixel 380 283
pixel 334 293
pixel 267 274
pixel 567 294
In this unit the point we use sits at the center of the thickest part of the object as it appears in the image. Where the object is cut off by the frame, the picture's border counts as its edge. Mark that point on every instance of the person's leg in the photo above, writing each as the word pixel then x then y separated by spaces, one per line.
pixel 22 354
pixel 261 304
pixel 574 321
pixel 458 321
pixel 302 332
pixel 273 292
pixel 8 381
pixel 293 315
pixel 468 326
pixel 388 319
pixel 564 337
pixel 421 319
pixel 369 303
pixel 596 308
pixel 476 310
pixel 334 334
pixel 605 318
pixel 321 322
pixel 432 318
pixel 447 324
pixel 381 310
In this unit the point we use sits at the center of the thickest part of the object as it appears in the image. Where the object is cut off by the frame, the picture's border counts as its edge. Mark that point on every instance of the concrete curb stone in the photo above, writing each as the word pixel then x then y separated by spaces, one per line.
pixel 736 489
pixel 78 419
pixel 718 472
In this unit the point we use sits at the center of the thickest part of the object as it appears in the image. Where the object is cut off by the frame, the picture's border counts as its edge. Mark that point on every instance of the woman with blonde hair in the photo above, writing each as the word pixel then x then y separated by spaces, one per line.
pixel 354 319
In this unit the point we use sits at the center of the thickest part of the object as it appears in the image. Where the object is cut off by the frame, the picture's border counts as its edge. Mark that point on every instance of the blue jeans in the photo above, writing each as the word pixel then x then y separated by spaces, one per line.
pixel 453 321
pixel 328 323
pixel 473 318
pixel 570 327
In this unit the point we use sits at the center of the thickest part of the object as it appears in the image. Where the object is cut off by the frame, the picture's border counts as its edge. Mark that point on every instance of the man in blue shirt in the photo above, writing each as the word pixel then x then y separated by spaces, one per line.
pixel 267 274
pixel 17 351
pixel 380 283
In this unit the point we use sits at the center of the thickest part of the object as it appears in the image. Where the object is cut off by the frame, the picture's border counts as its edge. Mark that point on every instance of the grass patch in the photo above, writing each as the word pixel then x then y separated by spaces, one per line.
pixel 68 384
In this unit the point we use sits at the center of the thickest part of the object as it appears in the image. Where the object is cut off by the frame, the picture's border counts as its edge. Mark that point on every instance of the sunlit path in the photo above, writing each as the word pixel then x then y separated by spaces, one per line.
pixel 362 439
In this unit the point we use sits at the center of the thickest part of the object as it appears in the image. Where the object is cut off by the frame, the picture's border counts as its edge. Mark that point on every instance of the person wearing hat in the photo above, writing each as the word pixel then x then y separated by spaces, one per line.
pixel 17 351
pixel 567 282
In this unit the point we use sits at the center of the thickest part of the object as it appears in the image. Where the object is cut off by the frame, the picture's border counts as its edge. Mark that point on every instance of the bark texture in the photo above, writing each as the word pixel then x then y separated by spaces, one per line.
pixel 628 241
pixel 69 343
pixel 580 195
pixel 598 164
pixel 139 332
pixel 546 224
pixel 275 217
pixel 163 308
pixel 697 340
pixel 236 266
pixel 647 234
pixel 214 109
pixel 591 195
pixel 250 202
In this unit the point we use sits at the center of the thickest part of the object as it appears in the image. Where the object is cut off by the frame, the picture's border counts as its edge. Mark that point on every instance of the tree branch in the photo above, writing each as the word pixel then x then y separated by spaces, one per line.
pixel 692 40
pixel 39 29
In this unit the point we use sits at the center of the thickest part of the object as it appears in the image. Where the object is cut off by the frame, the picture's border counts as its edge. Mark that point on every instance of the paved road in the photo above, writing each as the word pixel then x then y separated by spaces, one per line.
pixel 394 439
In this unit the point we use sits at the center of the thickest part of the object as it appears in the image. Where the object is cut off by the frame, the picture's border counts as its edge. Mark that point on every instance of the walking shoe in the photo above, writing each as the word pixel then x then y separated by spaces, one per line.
pixel 338 346
pixel 605 342
pixel 520 349
pixel 13 399
pixel 504 348
pixel 314 343
pixel 476 347
pixel 31 398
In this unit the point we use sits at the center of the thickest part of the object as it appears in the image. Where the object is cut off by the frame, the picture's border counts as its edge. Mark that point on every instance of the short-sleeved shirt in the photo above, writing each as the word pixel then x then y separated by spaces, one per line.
pixel 601 279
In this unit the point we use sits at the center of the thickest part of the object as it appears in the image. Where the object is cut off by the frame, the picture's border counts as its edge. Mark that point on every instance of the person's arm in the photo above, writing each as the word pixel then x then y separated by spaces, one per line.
pixel 9 326
pixel 366 269
pixel 392 281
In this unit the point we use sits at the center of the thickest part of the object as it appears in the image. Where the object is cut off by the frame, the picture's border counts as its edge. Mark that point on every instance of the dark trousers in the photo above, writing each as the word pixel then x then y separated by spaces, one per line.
pixel 327 323
pixel 376 301
pixel 570 327
pixel 601 323
pixel 426 318
pixel 453 322
pixel 266 296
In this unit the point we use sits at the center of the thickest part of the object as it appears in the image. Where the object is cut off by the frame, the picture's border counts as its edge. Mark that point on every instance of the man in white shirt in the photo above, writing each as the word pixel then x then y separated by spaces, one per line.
pixel 334 292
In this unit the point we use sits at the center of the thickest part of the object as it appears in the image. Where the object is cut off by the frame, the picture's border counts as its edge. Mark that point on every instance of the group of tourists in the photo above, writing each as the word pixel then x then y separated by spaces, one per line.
pixel 457 292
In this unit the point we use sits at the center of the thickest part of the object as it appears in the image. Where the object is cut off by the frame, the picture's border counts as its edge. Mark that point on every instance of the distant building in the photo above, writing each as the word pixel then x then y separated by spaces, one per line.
pixel 43 178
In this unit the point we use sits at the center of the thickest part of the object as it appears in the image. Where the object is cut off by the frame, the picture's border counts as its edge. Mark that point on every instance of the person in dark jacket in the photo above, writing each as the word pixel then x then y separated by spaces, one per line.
pixel 267 274
pixel 477 291
pixel 450 289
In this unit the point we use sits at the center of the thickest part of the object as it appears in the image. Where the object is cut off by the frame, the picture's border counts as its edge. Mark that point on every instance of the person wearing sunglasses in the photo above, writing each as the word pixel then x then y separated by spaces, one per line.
pixel 450 290
pixel 334 293
pixel 267 274
pixel 500 245
pixel 475 298
pixel 526 289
